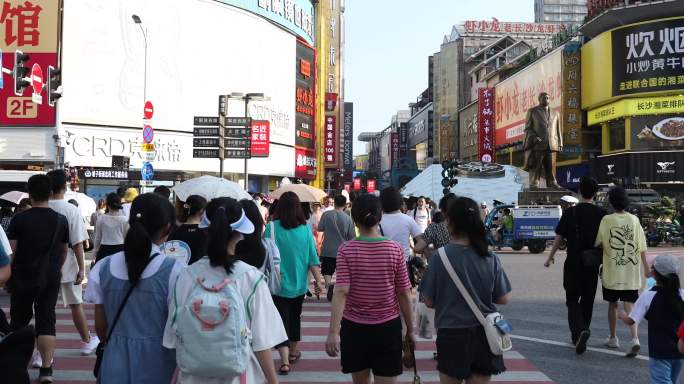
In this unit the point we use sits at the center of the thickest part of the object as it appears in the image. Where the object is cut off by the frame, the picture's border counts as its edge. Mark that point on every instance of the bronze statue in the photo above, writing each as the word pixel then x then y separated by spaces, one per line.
pixel 543 141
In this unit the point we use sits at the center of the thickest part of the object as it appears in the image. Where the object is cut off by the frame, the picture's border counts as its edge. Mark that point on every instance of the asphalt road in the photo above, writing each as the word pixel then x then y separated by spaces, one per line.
pixel 537 311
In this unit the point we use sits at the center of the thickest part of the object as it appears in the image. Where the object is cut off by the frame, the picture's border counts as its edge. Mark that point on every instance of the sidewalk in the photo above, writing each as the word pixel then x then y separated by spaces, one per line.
pixel 315 366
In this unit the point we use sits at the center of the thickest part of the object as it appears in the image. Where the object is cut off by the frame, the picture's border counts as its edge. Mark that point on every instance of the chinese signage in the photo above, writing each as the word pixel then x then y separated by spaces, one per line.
pixel 31 27
pixel 105 173
pixel 496 26
pixel 330 147
pixel 636 107
pixel 261 140
pixel 571 111
pixel 305 163
pixel 296 16
pixel 305 98
pixel 403 140
pixel 648 57
pixel 348 136
pixel 394 153
pixel 520 92
pixel 486 125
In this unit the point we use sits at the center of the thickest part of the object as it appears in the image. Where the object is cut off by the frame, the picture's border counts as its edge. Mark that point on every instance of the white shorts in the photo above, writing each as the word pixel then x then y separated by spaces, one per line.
pixel 72 294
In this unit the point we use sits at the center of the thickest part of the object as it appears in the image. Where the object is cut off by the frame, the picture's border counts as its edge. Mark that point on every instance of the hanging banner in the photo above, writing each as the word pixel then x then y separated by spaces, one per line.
pixel 261 138
pixel 571 109
pixel 486 124
pixel 305 97
pixel 330 147
pixel 348 135
pixel 394 149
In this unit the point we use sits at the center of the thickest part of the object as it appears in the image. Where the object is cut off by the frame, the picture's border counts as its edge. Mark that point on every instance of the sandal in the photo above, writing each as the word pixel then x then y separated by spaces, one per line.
pixel 284 369
pixel 295 358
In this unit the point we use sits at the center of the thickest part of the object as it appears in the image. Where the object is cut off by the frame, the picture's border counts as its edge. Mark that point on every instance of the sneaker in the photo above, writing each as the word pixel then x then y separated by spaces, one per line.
pixel 634 348
pixel 88 348
pixel 581 345
pixel 45 375
pixel 612 342
pixel 37 360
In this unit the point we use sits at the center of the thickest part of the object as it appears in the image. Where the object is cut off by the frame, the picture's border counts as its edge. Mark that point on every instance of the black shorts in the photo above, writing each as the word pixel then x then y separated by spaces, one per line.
pixel 371 346
pixel 108 250
pixel 328 266
pixel 22 303
pixel 613 296
pixel 464 351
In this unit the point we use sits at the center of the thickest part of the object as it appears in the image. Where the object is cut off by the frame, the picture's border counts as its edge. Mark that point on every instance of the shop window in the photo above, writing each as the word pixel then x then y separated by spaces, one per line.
pixel 616 135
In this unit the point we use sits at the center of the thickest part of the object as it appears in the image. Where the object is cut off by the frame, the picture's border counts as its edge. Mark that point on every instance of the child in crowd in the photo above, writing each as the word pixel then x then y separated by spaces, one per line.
pixel 663 307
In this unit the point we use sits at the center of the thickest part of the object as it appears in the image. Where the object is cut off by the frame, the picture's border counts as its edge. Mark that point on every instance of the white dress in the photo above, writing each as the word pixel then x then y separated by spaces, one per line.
pixel 266 331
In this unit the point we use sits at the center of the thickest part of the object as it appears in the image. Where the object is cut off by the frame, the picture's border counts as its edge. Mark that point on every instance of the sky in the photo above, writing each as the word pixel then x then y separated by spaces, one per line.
pixel 387 45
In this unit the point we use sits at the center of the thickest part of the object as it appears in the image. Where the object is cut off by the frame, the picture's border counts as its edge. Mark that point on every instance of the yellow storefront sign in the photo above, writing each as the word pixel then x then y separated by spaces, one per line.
pixel 636 107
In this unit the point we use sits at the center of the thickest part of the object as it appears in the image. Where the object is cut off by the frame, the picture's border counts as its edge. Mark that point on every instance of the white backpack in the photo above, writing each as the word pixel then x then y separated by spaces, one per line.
pixel 212 332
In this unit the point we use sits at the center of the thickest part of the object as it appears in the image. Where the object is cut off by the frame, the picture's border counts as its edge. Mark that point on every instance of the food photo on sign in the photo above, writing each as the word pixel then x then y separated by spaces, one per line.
pixel 655 132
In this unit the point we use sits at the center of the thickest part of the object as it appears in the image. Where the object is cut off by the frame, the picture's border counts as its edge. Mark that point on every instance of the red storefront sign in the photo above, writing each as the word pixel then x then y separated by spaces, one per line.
pixel 305 101
pixel 305 166
pixel 357 183
pixel 330 147
pixel 370 185
pixel 395 148
pixel 261 139
pixel 486 125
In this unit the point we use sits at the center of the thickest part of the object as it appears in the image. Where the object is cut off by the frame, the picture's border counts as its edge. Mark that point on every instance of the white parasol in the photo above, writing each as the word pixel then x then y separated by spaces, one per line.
pixel 210 187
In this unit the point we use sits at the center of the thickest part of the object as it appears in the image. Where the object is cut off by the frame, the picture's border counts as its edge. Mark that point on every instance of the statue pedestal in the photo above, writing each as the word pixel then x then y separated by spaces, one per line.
pixel 541 196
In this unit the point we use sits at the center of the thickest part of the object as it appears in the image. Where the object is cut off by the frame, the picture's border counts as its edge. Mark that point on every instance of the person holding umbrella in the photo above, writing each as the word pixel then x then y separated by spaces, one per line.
pixel 297 257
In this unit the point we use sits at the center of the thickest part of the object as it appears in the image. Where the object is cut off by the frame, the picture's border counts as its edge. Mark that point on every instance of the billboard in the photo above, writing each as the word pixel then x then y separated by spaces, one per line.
pixel 348 135
pixel 518 93
pixel 657 132
pixel 30 26
pixel 305 97
pixel 104 61
pixel 305 163
pixel 485 102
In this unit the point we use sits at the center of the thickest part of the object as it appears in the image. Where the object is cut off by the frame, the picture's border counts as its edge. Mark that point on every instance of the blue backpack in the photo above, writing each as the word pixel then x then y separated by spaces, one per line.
pixel 212 332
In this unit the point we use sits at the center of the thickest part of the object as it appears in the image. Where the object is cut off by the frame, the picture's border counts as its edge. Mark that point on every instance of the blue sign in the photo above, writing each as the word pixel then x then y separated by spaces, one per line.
pixel 297 16
pixel 148 134
pixel 147 171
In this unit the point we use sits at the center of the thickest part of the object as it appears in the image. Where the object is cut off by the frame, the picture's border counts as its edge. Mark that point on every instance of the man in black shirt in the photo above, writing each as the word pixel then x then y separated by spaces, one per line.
pixel 39 239
pixel 579 226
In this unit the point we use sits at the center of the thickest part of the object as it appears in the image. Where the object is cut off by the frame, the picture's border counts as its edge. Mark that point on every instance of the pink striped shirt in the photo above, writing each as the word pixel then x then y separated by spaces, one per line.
pixel 375 272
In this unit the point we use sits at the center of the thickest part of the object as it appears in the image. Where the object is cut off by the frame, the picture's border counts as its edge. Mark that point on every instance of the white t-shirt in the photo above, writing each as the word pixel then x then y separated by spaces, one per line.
pixel 399 227
pixel 126 209
pixel 421 216
pixel 77 234
pixel 117 267
pixel 643 304
pixel 266 327
pixel 5 248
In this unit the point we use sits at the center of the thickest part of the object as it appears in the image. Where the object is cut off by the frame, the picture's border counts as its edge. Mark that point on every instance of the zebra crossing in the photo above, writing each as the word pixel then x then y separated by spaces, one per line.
pixel 315 367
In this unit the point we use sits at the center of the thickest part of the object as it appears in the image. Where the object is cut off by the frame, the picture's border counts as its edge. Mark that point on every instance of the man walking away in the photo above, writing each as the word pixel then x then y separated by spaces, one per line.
pixel 421 214
pixel 337 227
pixel 73 269
pixel 624 255
pixel 39 239
pixel 579 225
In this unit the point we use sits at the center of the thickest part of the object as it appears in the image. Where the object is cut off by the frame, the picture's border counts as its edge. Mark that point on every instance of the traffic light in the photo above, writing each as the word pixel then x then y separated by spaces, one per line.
pixel 20 72
pixel 54 85
pixel 449 174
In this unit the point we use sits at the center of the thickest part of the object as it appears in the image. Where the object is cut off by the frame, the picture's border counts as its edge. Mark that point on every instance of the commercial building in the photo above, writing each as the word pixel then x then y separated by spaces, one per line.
pixel 566 12
pixel 632 86
pixel 180 55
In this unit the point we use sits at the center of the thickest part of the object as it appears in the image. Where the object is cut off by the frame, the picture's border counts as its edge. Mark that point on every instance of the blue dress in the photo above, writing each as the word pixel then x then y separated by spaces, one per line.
pixel 134 353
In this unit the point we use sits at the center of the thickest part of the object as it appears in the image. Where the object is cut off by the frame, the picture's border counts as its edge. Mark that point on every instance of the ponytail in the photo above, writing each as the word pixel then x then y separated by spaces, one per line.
pixel 137 248
pixel 464 219
pixel 221 213
pixel 670 285
pixel 150 216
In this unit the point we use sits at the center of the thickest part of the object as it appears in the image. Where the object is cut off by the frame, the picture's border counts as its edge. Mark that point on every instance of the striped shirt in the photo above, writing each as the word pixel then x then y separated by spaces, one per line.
pixel 375 271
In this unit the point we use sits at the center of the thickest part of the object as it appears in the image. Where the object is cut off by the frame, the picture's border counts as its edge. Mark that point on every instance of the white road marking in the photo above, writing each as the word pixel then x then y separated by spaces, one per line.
pixel 568 345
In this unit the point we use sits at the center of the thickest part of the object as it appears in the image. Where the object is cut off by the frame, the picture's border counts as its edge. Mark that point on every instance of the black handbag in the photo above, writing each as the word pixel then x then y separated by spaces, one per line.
pixel 592 257
pixel 99 351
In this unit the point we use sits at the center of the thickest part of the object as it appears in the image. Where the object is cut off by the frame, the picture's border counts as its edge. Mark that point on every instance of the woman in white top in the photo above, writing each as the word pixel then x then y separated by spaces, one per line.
pixel 110 229
pixel 227 223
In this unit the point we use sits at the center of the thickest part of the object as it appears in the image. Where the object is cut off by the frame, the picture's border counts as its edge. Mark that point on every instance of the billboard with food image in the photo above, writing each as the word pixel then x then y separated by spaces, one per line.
pixel 658 132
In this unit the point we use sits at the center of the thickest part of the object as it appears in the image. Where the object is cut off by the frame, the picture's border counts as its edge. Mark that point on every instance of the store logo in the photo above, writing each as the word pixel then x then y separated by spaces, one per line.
pixel 306 161
pixel 305 67
pixel 665 167
pixel 610 169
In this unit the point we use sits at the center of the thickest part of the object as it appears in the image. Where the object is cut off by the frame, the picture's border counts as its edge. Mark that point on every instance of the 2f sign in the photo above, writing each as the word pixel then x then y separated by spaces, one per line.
pixel 21 108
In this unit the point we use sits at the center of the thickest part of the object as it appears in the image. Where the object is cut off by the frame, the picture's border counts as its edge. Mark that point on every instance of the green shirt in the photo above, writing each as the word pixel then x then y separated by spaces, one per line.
pixel 507 223
pixel 297 253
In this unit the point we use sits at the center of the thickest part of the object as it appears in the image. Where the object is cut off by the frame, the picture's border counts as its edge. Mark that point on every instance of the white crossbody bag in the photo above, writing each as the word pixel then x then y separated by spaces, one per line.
pixel 499 341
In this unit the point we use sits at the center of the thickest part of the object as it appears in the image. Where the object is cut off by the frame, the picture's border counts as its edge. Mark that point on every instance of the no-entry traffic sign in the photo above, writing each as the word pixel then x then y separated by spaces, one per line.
pixel 149 110
pixel 148 134
pixel 37 78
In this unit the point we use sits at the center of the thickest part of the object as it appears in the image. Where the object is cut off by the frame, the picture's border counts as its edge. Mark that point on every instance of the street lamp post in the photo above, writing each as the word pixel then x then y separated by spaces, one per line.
pixel 247 98
pixel 136 19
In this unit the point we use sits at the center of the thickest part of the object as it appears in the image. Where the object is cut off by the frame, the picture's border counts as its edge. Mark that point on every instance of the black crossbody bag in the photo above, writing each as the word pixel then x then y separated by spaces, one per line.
pixel 99 352
pixel 592 257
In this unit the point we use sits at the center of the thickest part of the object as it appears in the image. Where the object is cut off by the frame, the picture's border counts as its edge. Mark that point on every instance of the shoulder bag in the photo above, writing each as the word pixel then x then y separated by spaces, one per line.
pixel 495 326
pixel 99 352
pixel 592 257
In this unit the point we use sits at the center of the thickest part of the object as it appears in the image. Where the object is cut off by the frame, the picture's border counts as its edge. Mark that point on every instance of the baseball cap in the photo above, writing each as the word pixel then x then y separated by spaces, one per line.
pixel 666 265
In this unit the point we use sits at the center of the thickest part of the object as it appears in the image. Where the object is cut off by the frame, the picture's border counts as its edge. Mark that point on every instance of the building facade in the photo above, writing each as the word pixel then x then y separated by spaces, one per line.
pixel 566 12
